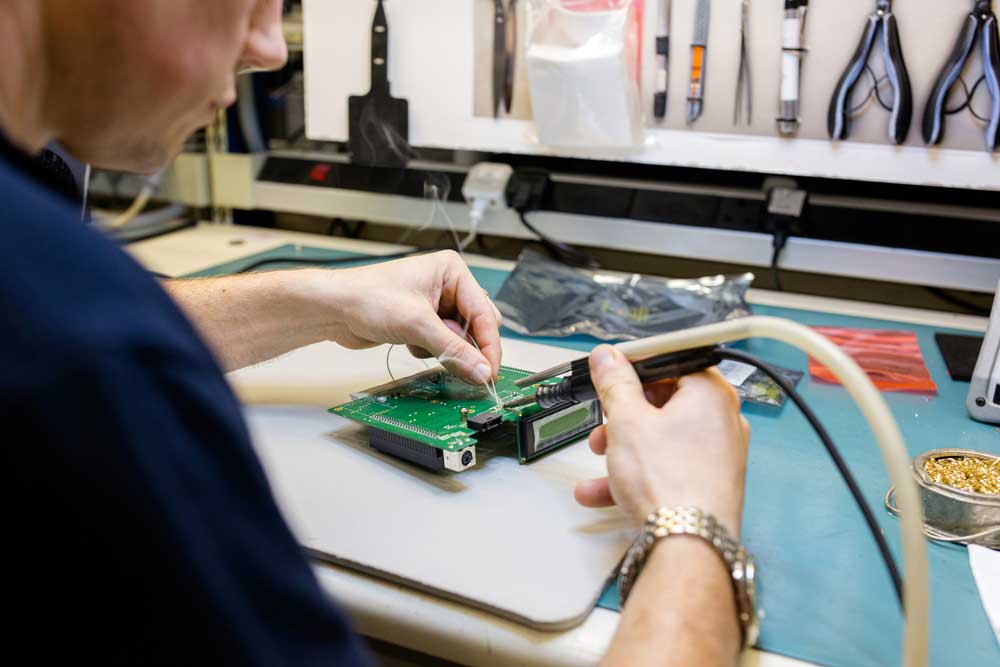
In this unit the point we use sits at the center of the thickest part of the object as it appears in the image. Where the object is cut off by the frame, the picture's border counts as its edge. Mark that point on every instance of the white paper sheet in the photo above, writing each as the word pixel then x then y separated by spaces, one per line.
pixel 985 565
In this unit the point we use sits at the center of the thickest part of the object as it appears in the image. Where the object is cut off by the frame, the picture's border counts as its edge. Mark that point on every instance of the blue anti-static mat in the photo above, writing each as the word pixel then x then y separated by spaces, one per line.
pixel 826 594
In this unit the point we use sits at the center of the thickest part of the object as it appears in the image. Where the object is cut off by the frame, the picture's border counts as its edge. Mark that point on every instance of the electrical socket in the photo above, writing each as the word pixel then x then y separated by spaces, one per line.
pixel 487 182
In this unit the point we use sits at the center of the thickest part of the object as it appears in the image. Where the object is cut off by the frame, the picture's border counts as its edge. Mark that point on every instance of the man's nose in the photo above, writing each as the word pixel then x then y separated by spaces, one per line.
pixel 265 48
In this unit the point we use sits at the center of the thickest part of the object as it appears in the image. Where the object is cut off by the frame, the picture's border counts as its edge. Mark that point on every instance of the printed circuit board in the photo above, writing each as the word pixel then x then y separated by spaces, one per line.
pixel 434 420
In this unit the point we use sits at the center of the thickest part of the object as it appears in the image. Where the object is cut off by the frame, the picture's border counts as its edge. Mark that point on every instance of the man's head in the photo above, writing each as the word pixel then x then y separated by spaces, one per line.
pixel 128 80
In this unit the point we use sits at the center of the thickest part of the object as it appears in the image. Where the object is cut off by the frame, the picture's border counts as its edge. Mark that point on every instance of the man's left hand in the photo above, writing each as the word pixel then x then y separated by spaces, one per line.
pixel 430 303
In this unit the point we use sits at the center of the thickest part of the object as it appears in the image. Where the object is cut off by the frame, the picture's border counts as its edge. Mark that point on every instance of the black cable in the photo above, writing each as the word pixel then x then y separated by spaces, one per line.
pixel 780 240
pixel 824 436
pixel 322 262
pixel 559 250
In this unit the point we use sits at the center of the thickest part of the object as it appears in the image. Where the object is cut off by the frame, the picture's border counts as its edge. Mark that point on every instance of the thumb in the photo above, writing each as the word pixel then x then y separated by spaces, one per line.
pixel 456 354
pixel 617 384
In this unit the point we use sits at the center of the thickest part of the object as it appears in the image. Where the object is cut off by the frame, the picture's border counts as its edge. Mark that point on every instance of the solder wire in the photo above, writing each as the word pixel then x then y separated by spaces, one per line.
pixel 436 195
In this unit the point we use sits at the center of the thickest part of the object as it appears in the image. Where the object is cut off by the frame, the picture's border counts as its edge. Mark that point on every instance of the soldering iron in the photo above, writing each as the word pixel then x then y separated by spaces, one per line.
pixel 579 386
pixel 691 350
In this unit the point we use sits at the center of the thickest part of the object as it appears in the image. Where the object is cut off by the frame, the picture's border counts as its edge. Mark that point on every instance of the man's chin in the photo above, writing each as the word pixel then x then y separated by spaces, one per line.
pixel 147 158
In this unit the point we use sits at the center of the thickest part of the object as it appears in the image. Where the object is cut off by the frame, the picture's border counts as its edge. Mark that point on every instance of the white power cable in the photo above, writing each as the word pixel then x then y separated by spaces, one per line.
pixel 880 420
pixel 86 193
pixel 138 204
pixel 477 211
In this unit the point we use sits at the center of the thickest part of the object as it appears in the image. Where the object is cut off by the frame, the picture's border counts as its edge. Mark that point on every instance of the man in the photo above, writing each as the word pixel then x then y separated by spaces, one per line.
pixel 140 527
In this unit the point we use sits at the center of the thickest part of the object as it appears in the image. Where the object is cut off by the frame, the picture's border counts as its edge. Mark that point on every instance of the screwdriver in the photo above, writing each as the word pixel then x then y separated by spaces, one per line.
pixel 578 387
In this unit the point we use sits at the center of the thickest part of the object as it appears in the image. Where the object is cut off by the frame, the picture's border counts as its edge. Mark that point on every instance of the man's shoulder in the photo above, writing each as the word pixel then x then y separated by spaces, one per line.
pixel 68 289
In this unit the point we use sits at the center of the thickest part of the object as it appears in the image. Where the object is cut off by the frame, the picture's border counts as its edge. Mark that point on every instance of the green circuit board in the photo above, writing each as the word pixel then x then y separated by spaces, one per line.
pixel 433 407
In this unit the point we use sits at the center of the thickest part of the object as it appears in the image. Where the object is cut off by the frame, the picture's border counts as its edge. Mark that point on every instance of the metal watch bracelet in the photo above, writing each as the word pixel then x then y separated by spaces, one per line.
pixel 682 520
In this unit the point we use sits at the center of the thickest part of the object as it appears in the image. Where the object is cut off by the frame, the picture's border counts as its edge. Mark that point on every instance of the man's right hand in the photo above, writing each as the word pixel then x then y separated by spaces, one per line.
pixel 672 443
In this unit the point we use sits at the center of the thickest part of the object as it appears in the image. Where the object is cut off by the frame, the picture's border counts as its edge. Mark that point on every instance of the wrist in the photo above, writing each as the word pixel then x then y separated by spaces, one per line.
pixel 322 302
pixel 727 512
pixel 678 522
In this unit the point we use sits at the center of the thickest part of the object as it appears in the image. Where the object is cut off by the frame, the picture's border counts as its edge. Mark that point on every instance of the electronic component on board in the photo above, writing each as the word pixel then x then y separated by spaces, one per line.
pixel 435 421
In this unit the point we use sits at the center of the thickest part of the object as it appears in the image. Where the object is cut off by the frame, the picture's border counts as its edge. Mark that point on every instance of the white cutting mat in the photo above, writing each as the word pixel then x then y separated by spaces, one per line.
pixel 503 537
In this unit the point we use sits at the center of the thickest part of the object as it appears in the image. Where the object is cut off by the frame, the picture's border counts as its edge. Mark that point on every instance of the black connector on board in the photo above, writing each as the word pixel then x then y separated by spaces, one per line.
pixel 484 421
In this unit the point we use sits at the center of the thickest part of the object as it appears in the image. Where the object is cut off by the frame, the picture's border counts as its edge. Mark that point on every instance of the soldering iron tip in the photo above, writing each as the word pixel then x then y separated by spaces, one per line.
pixel 519 402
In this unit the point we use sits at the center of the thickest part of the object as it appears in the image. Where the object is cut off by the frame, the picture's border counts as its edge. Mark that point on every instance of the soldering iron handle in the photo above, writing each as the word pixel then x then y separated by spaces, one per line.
pixel 579 387
pixel 676 365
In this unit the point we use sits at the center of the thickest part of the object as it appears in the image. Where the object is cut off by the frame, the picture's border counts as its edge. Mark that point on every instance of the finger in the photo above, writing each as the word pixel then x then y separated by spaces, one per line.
pixel 456 327
pixel 617 385
pixel 708 387
pixel 456 354
pixel 599 440
pixel 419 352
pixel 594 493
pixel 476 308
pixel 660 392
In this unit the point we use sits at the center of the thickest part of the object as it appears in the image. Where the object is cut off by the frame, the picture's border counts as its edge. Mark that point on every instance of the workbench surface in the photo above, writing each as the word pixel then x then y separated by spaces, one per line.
pixel 422 622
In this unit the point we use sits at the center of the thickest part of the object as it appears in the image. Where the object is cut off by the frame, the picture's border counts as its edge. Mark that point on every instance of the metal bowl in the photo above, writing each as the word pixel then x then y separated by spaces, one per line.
pixel 953 513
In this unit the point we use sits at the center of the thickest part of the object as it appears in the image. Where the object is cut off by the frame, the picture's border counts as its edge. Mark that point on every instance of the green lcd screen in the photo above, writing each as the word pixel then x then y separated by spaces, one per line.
pixel 556 429
pixel 562 423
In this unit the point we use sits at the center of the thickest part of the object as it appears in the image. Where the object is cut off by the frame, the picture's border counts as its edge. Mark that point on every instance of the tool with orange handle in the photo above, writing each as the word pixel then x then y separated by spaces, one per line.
pixel 699 50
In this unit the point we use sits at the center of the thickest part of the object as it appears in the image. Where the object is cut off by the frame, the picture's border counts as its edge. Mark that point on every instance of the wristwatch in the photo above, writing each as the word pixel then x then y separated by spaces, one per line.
pixel 681 520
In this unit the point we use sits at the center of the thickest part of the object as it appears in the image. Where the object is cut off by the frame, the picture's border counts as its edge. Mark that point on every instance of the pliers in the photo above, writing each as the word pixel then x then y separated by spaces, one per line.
pixel 982 21
pixel 839 118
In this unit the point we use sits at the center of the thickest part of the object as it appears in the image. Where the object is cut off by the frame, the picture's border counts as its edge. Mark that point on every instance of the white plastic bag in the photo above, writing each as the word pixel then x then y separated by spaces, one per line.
pixel 583 69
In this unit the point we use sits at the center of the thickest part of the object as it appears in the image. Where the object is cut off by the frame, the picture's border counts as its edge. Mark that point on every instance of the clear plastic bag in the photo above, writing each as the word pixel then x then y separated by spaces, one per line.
pixel 892 359
pixel 583 60
pixel 756 386
pixel 542 297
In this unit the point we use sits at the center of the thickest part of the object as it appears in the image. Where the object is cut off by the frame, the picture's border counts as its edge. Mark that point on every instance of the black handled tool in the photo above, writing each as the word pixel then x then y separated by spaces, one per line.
pixel 981 21
pixel 511 68
pixel 378 122
pixel 881 22
pixel 579 387
pixel 499 54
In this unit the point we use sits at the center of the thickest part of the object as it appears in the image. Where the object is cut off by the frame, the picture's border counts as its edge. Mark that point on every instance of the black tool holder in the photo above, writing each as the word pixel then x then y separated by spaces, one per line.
pixel 980 22
pixel 881 22
pixel 378 122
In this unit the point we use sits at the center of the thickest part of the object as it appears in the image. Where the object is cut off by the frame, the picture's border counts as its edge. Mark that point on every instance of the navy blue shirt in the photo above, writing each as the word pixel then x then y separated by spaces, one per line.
pixel 139 525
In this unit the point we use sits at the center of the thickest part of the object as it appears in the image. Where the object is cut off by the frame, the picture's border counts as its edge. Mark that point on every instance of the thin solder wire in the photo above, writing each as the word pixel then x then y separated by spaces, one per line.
pixel 403 149
pixel 460 245
pixel 934 533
